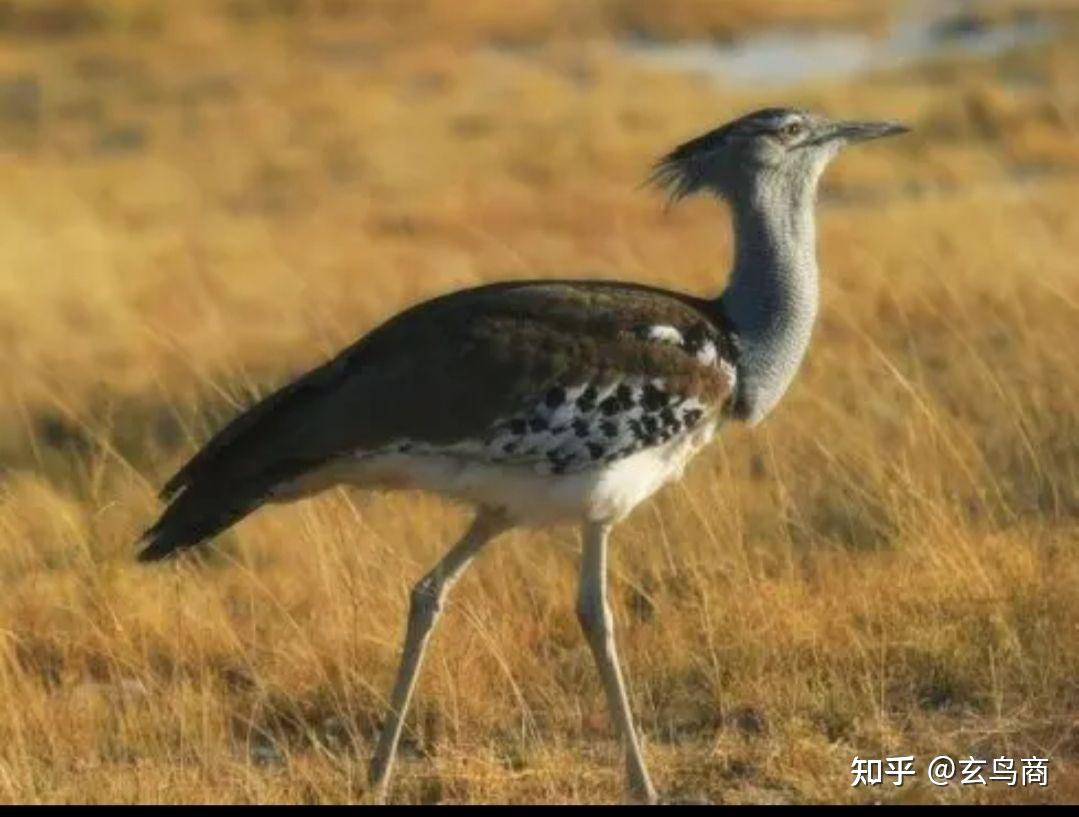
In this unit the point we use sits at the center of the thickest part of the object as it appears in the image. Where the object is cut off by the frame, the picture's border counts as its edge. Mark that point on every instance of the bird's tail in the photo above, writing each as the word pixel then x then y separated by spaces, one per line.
pixel 197 513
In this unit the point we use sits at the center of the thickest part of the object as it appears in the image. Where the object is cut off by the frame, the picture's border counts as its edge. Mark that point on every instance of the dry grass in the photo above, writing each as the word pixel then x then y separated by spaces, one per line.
pixel 196 205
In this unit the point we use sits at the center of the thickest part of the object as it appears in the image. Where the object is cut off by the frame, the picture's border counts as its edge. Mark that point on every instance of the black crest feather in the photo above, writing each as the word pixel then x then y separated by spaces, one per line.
pixel 683 171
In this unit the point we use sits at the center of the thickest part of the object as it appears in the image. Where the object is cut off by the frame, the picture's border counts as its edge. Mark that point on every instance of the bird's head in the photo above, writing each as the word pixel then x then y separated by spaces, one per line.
pixel 767 146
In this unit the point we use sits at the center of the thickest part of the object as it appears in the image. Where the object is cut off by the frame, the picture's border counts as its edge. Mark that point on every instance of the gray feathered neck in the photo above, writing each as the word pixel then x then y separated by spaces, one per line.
pixel 772 298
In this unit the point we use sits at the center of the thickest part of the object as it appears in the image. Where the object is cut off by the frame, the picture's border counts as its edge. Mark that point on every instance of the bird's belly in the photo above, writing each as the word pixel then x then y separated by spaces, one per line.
pixel 606 493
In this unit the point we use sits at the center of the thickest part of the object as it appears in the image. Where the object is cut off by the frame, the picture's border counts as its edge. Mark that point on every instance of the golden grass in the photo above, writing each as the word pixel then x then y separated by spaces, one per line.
pixel 197 205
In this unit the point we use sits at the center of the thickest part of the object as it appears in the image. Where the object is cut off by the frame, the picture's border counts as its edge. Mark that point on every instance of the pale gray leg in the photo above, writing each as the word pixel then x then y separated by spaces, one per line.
pixel 427 598
pixel 595 617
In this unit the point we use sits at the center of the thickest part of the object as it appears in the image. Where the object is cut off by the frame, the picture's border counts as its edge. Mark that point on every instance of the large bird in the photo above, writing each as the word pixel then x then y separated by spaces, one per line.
pixel 542 402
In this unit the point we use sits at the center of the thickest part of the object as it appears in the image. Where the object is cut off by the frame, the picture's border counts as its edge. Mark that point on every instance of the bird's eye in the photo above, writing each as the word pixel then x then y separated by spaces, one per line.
pixel 791 130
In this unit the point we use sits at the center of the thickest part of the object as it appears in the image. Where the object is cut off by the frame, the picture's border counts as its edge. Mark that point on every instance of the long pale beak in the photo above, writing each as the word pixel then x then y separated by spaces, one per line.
pixel 863 131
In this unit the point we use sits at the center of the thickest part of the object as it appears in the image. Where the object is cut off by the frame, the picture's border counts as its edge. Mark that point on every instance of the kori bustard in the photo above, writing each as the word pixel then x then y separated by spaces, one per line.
pixel 541 402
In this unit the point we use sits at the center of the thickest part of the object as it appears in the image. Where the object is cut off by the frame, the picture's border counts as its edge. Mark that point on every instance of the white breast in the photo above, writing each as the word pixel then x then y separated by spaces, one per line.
pixel 607 492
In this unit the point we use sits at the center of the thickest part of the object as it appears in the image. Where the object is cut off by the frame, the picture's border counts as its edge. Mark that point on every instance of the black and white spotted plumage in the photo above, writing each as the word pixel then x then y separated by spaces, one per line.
pixel 590 424
pixel 577 427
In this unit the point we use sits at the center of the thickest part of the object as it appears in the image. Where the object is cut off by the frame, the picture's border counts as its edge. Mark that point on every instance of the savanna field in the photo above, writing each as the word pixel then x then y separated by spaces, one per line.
pixel 199 201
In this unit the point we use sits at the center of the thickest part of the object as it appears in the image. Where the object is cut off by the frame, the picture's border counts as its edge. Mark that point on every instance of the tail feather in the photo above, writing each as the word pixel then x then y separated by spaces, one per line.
pixel 193 516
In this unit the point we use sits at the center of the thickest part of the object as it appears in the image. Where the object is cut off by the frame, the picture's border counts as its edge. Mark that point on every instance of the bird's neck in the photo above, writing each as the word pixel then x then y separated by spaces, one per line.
pixel 773 294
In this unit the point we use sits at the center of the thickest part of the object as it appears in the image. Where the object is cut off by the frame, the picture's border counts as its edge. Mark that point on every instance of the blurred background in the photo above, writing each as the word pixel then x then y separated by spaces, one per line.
pixel 200 200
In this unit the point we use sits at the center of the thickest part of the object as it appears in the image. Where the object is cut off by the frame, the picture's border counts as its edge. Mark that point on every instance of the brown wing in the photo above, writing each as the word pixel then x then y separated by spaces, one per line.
pixel 449 370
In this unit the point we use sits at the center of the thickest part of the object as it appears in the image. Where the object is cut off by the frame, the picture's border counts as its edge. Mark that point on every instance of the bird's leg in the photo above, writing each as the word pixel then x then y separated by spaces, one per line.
pixel 595 618
pixel 426 603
